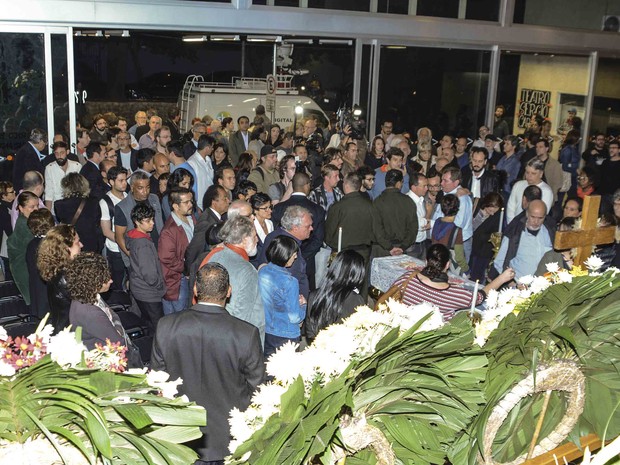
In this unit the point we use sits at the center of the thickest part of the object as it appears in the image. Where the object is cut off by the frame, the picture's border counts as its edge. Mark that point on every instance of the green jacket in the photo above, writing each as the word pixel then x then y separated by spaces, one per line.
pixel 353 212
pixel 16 247
pixel 395 222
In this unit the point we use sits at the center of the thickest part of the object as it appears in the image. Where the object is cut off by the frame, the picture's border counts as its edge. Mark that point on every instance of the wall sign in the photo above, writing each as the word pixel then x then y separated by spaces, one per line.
pixel 533 102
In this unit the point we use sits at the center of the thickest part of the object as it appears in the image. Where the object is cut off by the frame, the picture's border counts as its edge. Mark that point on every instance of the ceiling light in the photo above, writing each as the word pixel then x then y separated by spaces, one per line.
pixel 194 38
pixel 298 41
pixel 335 42
pixel 224 38
pixel 264 38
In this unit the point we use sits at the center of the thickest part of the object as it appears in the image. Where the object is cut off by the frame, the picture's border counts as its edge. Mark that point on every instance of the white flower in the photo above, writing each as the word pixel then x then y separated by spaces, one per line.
pixel 284 364
pixel 243 425
pixel 553 267
pixel 45 334
pixel 593 263
pixel 339 339
pixel 435 321
pixel 159 380
pixel 526 280
pixel 267 399
pixel 539 284
pixel 3 334
pixel 136 371
pixel 565 277
pixel 6 369
pixel 65 349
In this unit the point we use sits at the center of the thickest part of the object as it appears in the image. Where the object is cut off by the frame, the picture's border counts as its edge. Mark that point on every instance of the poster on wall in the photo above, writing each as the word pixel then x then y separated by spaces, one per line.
pixel 531 103
pixel 570 106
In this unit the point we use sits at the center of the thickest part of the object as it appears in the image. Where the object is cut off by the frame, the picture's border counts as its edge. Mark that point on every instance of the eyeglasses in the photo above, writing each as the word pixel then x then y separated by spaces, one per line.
pixel 268 207
pixel 434 186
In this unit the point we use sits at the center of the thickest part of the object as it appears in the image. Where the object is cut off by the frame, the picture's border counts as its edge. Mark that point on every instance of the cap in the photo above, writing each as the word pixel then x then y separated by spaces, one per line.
pixel 267 150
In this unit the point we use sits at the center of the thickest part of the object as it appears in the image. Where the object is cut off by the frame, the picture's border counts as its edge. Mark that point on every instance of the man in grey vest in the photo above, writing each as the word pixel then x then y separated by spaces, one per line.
pixel 140 192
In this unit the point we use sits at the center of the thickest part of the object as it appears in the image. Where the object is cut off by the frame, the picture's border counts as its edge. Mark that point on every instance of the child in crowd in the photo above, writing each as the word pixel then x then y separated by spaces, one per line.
pixel 145 275
pixel 449 234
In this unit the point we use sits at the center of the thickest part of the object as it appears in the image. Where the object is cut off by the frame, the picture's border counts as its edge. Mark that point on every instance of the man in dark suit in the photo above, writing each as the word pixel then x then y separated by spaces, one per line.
pixel 219 357
pixel 477 177
pixel 95 154
pixel 309 247
pixel 238 141
pixel 29 157
pixel 216 204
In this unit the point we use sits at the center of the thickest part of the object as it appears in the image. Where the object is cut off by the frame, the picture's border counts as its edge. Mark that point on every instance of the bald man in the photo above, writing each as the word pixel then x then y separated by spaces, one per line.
pixel 526 240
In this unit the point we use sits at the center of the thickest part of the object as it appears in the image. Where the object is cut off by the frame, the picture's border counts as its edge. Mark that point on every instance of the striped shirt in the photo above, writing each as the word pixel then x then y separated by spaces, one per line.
pixel 448 300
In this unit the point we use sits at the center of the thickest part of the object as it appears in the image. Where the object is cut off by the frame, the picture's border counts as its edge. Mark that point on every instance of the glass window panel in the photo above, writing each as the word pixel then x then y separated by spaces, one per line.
pixel 577 14
pixel 60 84
pixel 444 89
pixel 483 10
pixel 438 8
pixel 400 7
pixel 22 88
pixel 606 108
pixel 286 3
pixel 349 5
pixel 544 85
pixel 259 2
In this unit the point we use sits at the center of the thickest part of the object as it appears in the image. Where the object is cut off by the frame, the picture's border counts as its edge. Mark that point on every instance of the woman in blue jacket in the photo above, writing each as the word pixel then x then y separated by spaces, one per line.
pixel 285 307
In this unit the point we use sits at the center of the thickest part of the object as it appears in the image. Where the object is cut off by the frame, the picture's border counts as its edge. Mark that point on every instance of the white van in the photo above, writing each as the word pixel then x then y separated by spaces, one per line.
pixel 240 98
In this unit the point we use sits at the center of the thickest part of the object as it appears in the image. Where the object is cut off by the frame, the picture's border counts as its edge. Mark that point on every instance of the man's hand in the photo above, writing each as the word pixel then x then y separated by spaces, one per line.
pixel 396 251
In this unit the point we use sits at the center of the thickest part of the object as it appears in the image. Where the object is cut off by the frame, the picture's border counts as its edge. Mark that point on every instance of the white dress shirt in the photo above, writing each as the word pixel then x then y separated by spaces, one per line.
pixel 421 213
pixel 204 175
pixel 53 175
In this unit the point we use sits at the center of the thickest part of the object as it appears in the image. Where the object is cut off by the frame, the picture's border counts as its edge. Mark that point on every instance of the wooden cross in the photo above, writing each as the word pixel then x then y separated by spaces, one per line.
pixel 589 235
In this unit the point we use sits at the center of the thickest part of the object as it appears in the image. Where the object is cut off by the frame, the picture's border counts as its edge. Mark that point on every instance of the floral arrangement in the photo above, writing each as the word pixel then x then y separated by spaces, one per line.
pixel 348 383
pixel 401 386
pixel 500 304
pixel 60 403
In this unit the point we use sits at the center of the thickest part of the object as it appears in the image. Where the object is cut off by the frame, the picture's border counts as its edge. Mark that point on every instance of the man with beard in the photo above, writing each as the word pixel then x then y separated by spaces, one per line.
pixel 477 178
pixel 239 244
pixel 56 171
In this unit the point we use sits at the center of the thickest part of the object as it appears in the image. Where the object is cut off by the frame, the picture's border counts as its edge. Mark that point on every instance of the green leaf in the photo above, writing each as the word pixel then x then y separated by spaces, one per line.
pixel 292 399
pixel 135 414
pixel 175 434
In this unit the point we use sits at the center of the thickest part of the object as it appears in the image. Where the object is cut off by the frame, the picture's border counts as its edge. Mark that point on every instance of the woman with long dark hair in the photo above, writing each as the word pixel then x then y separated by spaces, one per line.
pixel 431 284
pixel 339 293
pixel 60 245
pixel 179 178
pixel 285 307
pixel 247 162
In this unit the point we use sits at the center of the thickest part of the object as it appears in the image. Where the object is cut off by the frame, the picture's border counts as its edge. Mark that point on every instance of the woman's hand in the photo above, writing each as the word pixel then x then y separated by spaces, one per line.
pixel 507 275
pixel 302 300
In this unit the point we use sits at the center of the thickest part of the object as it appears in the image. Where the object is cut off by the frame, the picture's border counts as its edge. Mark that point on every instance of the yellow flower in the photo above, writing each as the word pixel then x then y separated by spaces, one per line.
pixel 576 270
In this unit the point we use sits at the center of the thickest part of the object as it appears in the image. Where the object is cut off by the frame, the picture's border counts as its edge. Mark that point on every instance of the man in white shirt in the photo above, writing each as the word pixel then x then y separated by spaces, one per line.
pixel 126 154
pixel 201 162
pixel 54 172
pixel 147 141
pixel 117 179
pixel 418 186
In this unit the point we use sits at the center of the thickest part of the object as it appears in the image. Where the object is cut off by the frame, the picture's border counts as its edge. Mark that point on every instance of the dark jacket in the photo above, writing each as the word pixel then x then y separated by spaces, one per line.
pixel 395 222
pixel 145 275
pixel 59 300
pixel 513 233
pixel 133 161
pixel 354 214
pixel 39 305
pixel 481 247
pixel 95 324
pixel 198 244
pixel 236 146
pixel 98 187
pixel 88 225
pixel 220 359
pixel 17 244
pixel 313 244
pixel 489 182
pixel 26 159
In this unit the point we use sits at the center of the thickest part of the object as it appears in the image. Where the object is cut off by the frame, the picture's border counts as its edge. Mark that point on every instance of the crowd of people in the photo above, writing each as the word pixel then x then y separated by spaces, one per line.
pixel 238 237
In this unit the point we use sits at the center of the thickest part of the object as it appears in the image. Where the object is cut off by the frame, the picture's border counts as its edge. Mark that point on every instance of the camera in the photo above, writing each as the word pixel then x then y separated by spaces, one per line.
pixel 352 117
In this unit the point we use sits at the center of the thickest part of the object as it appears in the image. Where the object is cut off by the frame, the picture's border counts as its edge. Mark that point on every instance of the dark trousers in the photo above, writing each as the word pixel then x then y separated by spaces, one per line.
pixel 151 312
pixel 418 250
pixel 478 268
pixel 117 269
pixel 273 342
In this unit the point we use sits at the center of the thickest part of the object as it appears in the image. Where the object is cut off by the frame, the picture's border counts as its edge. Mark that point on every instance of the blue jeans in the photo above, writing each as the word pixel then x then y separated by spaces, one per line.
pixel 172 306
pixel 273 342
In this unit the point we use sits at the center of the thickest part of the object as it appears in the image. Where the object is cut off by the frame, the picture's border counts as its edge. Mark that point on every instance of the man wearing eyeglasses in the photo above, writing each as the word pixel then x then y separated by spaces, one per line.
pixel 198 129
pixel 126 154
pixel 176 235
